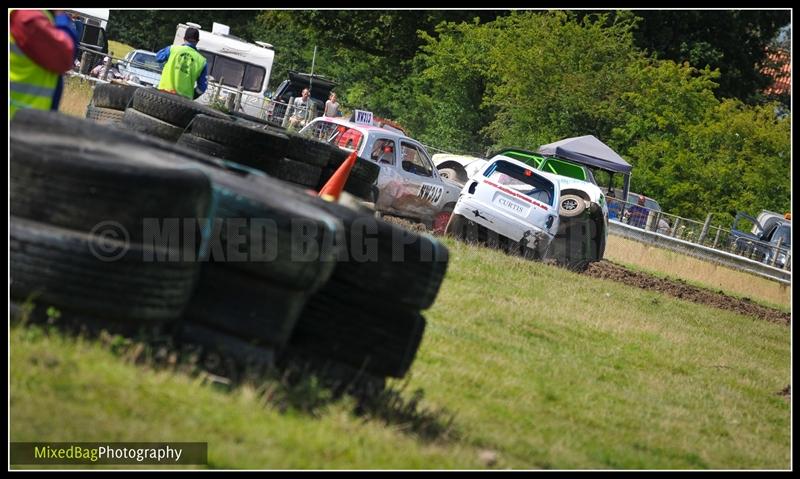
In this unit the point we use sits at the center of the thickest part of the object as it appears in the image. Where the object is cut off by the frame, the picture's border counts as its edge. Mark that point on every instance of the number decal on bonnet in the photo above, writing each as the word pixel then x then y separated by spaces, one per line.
pixel 431 193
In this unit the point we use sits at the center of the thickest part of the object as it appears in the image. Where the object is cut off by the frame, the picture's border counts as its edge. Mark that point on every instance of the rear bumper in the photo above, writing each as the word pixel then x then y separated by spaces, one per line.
pixel 500 222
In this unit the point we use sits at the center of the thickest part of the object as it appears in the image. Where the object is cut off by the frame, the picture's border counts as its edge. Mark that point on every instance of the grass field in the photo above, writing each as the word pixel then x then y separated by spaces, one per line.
pixel 77 95
pixel 703 273
pixel 538 368
pixel 118 50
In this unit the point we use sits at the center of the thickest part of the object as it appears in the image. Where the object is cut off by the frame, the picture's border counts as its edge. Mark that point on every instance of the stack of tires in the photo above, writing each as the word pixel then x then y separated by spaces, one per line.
pixel 286 156
pixel 109 101
pixel 268 268
pixel 163 115
pixel 77 214
pixel 368 315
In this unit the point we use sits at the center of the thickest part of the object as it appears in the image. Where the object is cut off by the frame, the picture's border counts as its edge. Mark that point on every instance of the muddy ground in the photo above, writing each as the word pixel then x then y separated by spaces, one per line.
pixel 673 287
pixel 680 289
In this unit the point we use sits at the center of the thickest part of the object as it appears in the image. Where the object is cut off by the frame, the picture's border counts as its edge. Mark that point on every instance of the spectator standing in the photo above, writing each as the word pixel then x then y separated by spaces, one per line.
pixel 300 110
pixel 42 46
pixel 638 213
pixel 614 206
pixel 331 106
pixel 186 70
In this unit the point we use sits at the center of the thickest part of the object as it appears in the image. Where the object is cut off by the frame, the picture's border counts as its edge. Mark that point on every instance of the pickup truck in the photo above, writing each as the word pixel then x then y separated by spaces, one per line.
pixel 770 244
pixel 408 184
pixel 141 67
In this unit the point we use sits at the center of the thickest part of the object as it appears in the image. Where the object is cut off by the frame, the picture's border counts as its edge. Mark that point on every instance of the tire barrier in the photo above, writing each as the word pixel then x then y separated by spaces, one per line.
pixel 200 221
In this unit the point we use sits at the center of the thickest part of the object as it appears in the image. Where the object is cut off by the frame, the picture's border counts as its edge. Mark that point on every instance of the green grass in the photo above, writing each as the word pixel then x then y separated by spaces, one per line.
pixel 540 366
pixel 118 49
pixel 77 95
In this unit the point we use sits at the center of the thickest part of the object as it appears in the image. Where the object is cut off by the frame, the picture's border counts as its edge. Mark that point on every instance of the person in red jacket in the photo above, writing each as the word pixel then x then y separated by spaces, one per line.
pixel 49 40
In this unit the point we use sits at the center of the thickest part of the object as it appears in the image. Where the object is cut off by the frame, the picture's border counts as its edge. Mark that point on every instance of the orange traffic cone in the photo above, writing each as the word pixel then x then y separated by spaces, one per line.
pixel 334 186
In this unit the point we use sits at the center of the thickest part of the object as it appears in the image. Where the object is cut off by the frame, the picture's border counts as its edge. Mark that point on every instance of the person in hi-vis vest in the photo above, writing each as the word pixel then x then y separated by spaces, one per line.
pixel 184 67
pixel 41 47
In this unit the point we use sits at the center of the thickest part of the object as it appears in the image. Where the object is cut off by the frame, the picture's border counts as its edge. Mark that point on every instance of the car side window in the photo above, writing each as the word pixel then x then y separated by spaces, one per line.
pixel 414 161
pixel 383 151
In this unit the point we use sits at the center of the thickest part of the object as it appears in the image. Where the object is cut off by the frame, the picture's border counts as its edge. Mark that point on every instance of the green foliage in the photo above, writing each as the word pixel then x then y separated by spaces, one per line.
pixel 444 97
pixel 732 41
pixel 696 154
pixel 294 48
pixel 556 76
pixel 155 29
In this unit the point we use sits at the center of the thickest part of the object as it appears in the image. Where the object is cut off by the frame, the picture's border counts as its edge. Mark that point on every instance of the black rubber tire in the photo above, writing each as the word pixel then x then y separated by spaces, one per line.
pixel 238 192
pixel 576 245
pixel 309 150
pixel 250 118
pixel 253 361
pixel 360 330
pixel 360 188
pixel 110 138
pixel 293 171
pixel 259 143
pixel 104 115
pixel 150 125
pixel 248 198
pixel 571 206
pixel 77 183
pixel 60 267
pixel 245 306
pixel 365 170
pixel 173 109
pixel 208 147
pixel 113 96
pixel 393 263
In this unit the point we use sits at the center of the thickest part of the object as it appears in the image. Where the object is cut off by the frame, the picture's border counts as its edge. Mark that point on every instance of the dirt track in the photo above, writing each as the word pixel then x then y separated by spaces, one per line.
pixel 680 289
pixel 677 288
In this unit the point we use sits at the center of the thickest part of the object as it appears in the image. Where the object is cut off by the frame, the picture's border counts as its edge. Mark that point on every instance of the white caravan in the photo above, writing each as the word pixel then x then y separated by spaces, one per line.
pixel 233 63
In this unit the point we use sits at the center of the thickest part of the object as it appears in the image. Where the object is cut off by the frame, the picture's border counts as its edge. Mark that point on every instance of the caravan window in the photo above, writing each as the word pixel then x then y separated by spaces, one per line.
pixel 234 73
pixel 253 78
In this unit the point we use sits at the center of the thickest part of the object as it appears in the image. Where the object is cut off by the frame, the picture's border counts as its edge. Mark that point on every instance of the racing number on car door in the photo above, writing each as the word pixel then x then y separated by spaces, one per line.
pixel 417 171
pixel 430 193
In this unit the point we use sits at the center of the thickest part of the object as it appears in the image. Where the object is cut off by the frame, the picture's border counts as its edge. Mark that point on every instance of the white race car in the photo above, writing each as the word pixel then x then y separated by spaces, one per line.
pixel 582 208
pixel 509 205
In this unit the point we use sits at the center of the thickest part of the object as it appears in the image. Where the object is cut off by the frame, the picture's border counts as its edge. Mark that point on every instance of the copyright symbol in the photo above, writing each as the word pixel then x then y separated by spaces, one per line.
pixel 109 241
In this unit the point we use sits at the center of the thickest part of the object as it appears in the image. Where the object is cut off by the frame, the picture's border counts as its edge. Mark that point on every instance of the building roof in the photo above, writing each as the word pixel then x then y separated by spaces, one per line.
pixel 779 67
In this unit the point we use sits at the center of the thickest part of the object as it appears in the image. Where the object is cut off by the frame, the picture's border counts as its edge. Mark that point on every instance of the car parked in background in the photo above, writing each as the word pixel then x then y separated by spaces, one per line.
pixel 140 66
pixel 408 183
pixel 769 243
